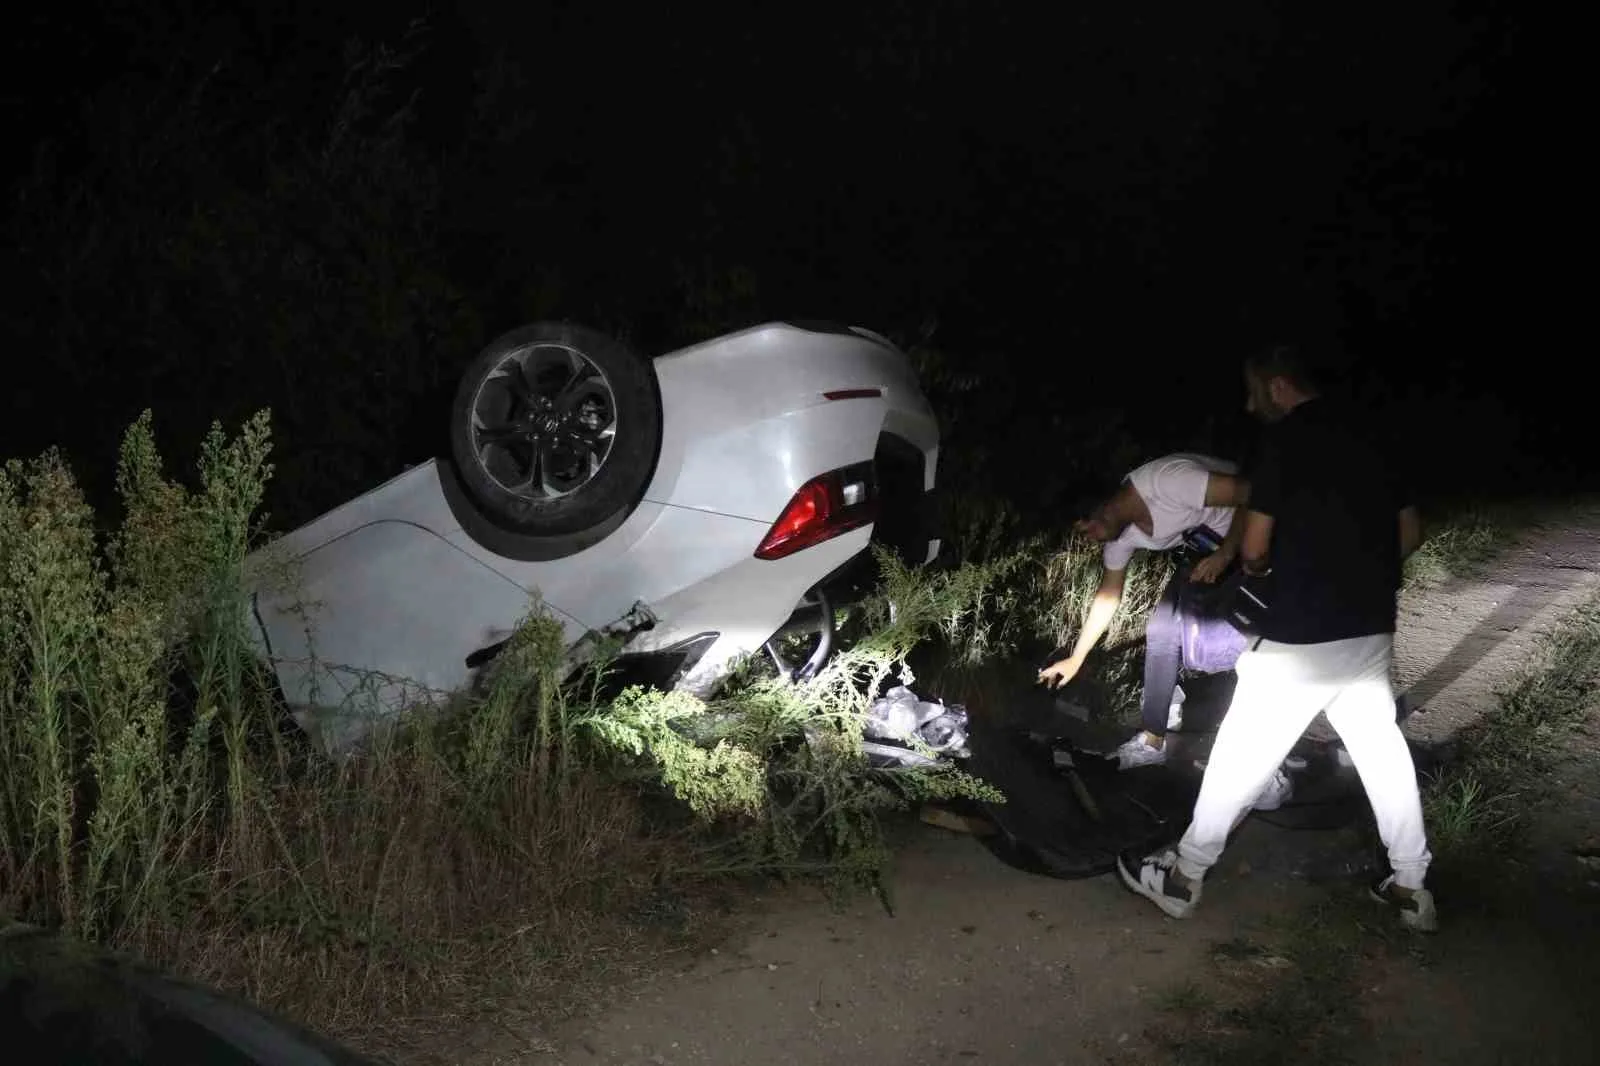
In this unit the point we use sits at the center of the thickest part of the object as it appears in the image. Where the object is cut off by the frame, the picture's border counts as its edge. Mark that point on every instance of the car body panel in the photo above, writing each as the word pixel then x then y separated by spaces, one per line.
pixel 744 414
pixel 456 601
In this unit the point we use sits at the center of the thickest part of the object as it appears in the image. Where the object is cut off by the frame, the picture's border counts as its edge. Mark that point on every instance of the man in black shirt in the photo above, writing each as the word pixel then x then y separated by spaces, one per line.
pixel 1331 520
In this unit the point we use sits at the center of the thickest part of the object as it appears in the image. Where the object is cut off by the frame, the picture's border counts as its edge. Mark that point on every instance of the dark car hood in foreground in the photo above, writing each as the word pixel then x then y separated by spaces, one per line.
pixel 65 1002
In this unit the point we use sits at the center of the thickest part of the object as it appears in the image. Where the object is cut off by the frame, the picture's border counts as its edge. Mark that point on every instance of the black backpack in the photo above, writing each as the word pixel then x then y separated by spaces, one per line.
pixel 1236 596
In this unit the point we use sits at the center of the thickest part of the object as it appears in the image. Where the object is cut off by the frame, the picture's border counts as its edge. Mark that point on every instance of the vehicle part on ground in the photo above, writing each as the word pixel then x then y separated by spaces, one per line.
pixel 555 428
pixel 883 756
pixel 1068 766
pixel 899 721
pixel 1073 824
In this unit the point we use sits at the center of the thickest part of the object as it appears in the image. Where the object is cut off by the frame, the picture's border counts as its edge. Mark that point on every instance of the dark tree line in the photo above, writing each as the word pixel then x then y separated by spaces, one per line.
pixel 1085 224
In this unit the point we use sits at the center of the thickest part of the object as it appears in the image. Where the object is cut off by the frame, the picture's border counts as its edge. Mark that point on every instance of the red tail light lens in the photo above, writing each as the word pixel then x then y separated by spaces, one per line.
pixel 821 509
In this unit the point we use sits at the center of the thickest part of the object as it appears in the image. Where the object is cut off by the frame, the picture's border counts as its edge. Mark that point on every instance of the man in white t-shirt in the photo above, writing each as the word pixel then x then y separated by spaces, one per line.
pixel 1155 505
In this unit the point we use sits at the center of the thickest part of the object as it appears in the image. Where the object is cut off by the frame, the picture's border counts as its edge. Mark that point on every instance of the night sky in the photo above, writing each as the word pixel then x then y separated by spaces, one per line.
pixel 1092 213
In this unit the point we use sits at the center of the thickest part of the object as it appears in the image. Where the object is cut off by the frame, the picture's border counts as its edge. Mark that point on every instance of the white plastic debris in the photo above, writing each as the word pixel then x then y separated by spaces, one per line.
pixel 900 717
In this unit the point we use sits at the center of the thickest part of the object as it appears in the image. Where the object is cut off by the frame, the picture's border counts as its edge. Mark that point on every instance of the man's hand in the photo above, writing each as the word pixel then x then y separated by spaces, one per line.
pixel 1061 672
pixel 1207 570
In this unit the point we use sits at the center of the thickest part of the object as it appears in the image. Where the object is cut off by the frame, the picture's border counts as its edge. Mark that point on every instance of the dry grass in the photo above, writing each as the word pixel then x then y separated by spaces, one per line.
pixel 1459 539
pixel 405 918
pixel 392 910
pixel 1072 573
pixel 1035 600
pixel 154 799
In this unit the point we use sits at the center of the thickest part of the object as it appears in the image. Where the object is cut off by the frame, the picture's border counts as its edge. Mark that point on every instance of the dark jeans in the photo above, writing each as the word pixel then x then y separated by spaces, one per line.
pixel 1178 635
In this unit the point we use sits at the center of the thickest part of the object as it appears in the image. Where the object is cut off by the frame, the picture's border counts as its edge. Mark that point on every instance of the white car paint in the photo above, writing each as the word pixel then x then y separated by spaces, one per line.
pixel 392 594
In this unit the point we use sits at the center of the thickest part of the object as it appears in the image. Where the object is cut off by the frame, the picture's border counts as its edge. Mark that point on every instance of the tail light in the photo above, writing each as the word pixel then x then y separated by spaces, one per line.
pixel 821 509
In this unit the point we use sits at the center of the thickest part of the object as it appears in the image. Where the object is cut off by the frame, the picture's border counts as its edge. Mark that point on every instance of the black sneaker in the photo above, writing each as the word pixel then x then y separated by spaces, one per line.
pixel 1152 876
pixel 1415 908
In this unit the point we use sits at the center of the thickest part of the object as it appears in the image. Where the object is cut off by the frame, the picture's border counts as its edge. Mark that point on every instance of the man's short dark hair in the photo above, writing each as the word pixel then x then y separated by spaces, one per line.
pixel 1308 367
pixel 1086 501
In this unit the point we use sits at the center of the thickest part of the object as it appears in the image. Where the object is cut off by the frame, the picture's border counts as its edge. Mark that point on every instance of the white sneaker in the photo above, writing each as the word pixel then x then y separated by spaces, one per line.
pixel 1416 909
pixel 1152 878
pixel 1139 752
pixel 1276 794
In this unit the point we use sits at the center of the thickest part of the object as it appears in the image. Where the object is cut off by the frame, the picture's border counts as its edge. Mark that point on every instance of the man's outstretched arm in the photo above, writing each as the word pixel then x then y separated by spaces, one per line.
pixel 1102 609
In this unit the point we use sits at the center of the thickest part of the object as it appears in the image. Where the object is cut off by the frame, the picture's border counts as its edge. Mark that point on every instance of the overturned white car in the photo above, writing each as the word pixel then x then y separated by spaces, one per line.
pixel 697 505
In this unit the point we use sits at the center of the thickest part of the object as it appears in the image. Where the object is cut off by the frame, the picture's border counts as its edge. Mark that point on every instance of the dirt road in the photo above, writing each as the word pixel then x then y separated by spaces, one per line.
pixel 983 963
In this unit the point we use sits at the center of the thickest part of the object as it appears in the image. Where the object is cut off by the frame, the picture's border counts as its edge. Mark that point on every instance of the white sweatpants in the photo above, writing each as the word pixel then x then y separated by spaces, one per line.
pixel 1280 690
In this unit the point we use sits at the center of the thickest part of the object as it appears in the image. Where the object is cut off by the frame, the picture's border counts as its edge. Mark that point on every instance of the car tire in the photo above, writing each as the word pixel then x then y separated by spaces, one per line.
pixel 502 393
pixel 816 610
